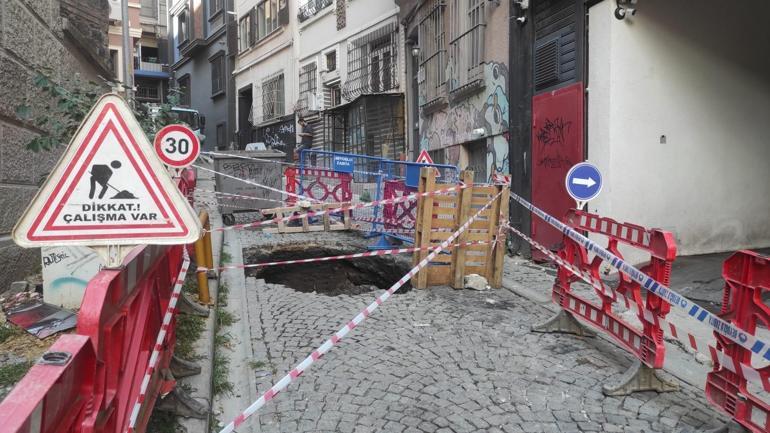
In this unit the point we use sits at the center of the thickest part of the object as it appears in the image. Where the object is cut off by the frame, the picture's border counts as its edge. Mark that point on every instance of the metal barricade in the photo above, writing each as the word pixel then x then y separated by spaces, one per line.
pixel 646 343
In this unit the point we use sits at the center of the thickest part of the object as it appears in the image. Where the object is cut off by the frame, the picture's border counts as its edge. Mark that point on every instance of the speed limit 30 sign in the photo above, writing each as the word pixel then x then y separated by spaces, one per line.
pixel 177 146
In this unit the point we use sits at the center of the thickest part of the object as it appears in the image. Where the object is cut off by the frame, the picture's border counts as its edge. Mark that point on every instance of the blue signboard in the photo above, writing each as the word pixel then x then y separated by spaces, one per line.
pixel 583 181
pixel 343 164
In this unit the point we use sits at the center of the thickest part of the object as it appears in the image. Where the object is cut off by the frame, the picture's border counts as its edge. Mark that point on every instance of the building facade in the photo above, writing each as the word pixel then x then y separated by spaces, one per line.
pixel 671 110
pixel 458 72
pixel 202 64
pixel 149 47
pixel 59 38
pixel 350 76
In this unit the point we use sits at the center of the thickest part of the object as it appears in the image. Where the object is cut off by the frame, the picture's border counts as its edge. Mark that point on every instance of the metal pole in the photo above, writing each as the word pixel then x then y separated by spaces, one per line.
pixel 128 79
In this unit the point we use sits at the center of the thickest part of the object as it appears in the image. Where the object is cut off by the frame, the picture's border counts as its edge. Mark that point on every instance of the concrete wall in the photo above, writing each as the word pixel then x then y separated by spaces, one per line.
pixel 32 38
pixel 700 76
pixel 450 127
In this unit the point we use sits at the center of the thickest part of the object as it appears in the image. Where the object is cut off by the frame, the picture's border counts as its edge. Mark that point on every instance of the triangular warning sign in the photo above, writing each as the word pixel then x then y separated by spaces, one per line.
pixel 108 188
pixel 424 158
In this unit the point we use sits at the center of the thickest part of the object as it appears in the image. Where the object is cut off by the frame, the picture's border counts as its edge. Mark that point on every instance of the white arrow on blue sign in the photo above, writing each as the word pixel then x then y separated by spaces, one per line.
pixel 583 182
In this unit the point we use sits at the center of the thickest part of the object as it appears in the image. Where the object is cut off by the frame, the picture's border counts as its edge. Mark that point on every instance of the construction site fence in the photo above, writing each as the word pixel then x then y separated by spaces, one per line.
pixel 89 381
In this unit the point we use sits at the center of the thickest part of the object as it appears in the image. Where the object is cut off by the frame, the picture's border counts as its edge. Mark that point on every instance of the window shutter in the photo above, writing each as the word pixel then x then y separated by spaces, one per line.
pixel 232 36
pixel 252 27
pixel 283 12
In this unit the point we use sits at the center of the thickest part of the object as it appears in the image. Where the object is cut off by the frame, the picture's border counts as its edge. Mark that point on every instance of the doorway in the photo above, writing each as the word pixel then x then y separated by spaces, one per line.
pixel 245 128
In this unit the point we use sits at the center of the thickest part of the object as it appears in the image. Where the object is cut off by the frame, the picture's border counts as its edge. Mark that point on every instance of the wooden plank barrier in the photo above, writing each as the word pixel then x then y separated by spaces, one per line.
pixel 438 216
pixel 308 224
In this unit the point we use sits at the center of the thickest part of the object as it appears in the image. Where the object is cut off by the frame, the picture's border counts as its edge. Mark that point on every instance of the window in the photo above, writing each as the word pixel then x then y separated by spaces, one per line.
pixel 272 97
pixel 307 86
pixel 215 7
pixel 267 17
pixel 149 9
pixel 332 95
pixel 114 59
pixel 331 61
pixel 218 74
pixel 221 136
pixel 467 44
pixel 311 8
pixel 182 27
pixel 148 90
pixel 432 73
pixel 245 34
pixel 183 85
pixel 371 63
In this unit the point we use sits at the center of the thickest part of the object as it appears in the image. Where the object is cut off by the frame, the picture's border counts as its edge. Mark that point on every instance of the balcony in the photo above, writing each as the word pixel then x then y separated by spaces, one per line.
pixel 148 93
pixel 150 68
pixel 312 8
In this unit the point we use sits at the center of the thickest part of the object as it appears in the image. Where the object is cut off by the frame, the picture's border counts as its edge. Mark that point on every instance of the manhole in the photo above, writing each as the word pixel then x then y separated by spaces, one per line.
pixel 338 277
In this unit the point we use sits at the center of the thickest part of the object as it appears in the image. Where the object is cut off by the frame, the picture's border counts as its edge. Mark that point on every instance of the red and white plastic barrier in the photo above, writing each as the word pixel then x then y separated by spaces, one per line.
pixel 339 335
pixel 159 341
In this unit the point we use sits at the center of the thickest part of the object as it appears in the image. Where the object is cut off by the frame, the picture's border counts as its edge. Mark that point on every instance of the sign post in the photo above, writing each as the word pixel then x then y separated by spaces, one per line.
pixel 109 191
pixel 583 183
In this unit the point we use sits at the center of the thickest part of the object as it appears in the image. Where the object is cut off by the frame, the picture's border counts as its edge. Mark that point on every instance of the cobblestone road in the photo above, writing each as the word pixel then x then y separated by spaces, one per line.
pixel 446 360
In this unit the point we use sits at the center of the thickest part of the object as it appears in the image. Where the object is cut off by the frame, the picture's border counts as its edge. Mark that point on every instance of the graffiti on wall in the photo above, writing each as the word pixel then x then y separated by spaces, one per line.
pixel 488 110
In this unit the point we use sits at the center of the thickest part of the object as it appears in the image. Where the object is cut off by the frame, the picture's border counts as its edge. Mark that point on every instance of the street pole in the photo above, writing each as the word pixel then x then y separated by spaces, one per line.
pixel 128 81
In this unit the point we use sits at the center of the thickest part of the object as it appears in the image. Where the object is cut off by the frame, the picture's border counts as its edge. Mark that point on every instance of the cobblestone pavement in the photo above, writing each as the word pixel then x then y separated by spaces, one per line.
pixel 444 360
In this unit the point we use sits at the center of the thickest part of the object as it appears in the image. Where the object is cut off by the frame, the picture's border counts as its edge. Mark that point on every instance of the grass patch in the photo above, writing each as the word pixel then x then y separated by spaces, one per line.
pixel 225 258
pixel 257 365
pixel 7 331
pixel 189 328
pixel 162 422
pixel 225 318
pixel 221 367
pixel 12 373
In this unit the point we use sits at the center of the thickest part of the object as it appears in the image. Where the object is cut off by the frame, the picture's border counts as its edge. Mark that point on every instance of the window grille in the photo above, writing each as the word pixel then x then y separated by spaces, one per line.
pixel 307 87
pixel 466 48
pixel 373 63
pixel 432 37
pixel 270 99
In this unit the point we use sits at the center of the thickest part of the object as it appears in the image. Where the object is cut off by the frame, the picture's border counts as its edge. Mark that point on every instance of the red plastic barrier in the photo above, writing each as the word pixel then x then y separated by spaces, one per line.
pixel 188 180
pixel 404 212
pixel 747 286
pixel 648 344
pixel 319 184
pixel 94 388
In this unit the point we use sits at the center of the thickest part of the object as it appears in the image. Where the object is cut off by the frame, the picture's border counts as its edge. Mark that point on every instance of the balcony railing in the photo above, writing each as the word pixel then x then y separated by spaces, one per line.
pixel 150 66
pixel 466 58
pixel 148 93
pixel 311 8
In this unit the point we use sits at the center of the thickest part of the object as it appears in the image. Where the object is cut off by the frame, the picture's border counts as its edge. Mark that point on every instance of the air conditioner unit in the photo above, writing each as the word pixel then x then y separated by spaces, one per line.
pixel 313 103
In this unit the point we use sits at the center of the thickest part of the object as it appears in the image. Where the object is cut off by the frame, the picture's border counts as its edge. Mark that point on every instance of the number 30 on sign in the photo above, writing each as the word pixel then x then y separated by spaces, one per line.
pixel 177 146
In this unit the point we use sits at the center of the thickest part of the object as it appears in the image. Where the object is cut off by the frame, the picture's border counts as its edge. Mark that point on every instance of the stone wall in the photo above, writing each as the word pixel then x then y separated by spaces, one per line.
pixel 58 38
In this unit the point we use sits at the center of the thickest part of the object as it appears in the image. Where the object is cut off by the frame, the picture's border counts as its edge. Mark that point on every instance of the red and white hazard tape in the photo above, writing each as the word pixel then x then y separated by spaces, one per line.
pixel 258 185
pixel 339 335
pixel 687 339
pixel 341 209
pixel 230 196
pixel 393 221
pixel 389 252
pixel 159 340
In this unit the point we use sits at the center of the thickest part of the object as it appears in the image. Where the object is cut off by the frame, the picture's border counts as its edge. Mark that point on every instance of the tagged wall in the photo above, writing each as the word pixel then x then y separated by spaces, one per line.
pixel 488 110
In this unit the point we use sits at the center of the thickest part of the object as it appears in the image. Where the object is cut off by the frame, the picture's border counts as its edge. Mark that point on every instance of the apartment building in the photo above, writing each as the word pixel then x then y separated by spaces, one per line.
pixel 350 76
pixel 458 72
pixel 147 21
pixel 201 63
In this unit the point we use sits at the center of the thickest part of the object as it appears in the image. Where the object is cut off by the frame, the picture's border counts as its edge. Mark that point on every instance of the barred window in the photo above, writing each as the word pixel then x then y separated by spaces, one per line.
pixel 373 63
pixel 307 85
pixel 466 48
pixel 273 97
pixel 432 37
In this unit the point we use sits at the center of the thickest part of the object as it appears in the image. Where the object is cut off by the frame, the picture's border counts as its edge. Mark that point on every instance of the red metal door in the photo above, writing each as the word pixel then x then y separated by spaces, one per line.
pixel 557 144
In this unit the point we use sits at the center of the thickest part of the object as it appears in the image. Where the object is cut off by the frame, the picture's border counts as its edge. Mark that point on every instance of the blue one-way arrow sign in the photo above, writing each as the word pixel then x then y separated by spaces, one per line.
pixel 583 182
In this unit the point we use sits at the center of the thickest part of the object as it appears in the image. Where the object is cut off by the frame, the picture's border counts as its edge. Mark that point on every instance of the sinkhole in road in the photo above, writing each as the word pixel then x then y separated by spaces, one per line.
pixel 333 278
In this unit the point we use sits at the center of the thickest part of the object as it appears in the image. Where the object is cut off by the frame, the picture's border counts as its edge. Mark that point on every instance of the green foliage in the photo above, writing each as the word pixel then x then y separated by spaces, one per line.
pixel 221 385
pixel 189 328
pixel 67 102
pixel 225 258
pixel 7 331
pixel 162 422
pixel 12 373
pixel 225 318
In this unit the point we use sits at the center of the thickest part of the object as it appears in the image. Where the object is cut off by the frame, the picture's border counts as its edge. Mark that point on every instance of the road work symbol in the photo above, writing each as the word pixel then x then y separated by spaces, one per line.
pixel 583 182
pixel 109 188
pixel 101 174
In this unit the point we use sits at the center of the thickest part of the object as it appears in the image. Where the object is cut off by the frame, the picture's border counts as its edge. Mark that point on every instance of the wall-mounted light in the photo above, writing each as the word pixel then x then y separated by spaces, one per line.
pixel 625 8
pixel 415 51
pixel 478 132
